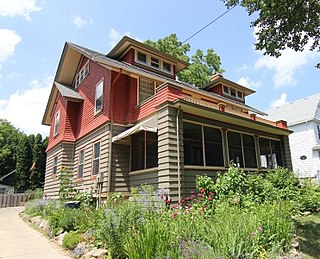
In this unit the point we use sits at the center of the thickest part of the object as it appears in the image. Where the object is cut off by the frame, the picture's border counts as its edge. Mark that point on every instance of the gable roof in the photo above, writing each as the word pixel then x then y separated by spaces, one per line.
pixel 296 112
pixel 71 57
pixel 65 91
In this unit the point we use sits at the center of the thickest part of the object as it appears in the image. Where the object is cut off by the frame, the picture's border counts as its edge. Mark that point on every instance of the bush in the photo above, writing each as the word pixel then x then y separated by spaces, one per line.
pixel 65 220
pixel 71 240
pixel 34 194
pixel 85 199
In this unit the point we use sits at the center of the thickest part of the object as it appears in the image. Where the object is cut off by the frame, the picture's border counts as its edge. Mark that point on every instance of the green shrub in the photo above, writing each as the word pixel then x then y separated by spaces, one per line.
pixel 71 240
pixel 34 194
pixel 65 220
pixel 85 198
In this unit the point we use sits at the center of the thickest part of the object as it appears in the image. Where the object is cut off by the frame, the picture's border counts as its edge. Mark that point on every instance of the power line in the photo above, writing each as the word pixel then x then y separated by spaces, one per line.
pixel 209 24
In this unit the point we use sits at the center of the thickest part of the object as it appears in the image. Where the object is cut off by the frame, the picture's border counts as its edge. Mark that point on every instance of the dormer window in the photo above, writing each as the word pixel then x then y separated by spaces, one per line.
pixel 233 92
pixel 166 67
pixel 239 95
pixel 84 71
pixel 226 90
pixel 154 62
pixel 141 57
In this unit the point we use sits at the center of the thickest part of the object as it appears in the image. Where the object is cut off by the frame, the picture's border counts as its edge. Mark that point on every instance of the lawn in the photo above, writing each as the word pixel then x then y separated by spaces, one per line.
pixel 308 231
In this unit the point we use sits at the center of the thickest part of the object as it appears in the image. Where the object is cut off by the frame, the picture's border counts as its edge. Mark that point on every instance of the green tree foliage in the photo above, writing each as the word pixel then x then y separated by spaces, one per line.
pixel 284 24
pixel 9 139
pixel 202 65
pixel 24 163
pixel 39 161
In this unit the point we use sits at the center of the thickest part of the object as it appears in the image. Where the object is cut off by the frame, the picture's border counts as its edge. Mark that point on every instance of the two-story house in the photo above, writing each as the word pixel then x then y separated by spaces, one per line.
pixel 122 119
pixel 303 118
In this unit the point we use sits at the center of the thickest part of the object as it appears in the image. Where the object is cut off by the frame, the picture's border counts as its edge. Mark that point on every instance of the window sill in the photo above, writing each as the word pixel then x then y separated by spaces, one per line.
pixel 97 113
pixel 200 167
pixel 144 171
pixel 145 101
pixel 78 180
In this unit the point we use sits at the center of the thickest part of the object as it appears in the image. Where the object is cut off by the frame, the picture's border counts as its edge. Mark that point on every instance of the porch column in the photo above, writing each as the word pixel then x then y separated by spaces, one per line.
pixel 168 172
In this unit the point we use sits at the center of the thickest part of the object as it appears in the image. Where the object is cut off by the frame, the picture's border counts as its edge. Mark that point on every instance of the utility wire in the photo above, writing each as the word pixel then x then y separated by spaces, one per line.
pixel 209 24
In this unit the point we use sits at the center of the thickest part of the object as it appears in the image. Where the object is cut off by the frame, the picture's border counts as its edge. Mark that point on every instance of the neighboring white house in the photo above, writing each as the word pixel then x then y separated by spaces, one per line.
pixel 303 118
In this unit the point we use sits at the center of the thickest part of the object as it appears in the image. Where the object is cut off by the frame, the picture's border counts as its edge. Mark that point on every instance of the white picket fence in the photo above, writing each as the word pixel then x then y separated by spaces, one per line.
pixel 11 200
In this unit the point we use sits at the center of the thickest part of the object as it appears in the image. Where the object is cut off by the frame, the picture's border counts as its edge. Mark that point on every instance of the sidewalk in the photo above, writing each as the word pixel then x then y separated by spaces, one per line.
pixel 18 240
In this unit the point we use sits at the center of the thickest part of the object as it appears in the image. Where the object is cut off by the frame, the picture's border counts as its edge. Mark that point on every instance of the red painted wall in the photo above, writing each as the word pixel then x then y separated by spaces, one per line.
pixel 129 57
pixel 61 105
pixel 87 120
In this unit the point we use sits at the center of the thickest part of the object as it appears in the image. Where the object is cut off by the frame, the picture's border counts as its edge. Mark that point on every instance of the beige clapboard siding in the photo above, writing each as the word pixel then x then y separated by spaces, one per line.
pixel 148 177
pixel 120 169
pixel 190 178
pixel 167 150
pixel 51 185
pixel 88 182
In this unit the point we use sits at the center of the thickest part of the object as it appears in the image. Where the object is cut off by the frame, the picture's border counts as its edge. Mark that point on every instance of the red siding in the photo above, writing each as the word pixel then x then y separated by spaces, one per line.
pixel 217 89
pixel 87 120
pixel 61 105
pixel 129 56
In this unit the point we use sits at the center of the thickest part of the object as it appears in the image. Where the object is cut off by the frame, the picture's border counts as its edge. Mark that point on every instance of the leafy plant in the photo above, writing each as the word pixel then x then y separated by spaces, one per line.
pixel 67 191
pixel 71 240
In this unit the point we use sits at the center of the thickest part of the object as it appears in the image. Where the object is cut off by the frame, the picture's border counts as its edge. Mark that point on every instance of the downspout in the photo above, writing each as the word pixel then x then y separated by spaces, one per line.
pixel 178 153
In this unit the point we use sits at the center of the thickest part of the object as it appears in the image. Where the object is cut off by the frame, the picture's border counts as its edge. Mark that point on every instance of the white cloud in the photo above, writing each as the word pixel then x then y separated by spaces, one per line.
pixel 247 82
pixel 8 42
pixel 24 109
pixel 79 22
pixel 287 65
pixel 114 36
pixel 18 8
pixel 280 101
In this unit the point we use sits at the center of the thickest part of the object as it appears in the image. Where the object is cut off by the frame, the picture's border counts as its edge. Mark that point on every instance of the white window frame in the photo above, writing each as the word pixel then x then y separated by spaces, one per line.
pixel 94 158
pixel 149 62
pixel 55 165
pixel 100 84
pixel 224 87
pixel 82 74
pixel 81 163
pixel 318 128
pixel 56 123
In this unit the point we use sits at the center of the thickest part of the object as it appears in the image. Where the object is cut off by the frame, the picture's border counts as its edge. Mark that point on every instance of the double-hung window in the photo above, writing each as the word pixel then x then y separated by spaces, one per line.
pixel 55 165
pixel 80 163
pixel 99 97
pixel 318 128
pixel 56 123
pixel 147 89
pixel 96 158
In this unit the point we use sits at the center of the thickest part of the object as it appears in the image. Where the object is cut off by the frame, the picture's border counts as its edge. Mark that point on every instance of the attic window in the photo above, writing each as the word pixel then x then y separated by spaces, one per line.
pixel 233 92
pixel 84 71
pixel 142 57
pixel 166 67
pixel 154 62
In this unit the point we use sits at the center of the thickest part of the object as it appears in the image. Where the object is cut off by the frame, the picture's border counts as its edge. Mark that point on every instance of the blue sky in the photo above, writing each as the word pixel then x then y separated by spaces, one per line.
pixel 33 32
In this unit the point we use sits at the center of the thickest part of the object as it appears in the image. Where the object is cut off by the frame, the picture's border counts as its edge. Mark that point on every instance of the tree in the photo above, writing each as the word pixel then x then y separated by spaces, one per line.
pixel 202 66
pixel 38 166
pixel 284 24
pixel 9 139
pixel 24 163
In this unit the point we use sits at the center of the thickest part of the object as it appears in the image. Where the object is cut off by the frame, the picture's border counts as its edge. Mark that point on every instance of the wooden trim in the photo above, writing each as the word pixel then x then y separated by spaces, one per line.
pixel 92 176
